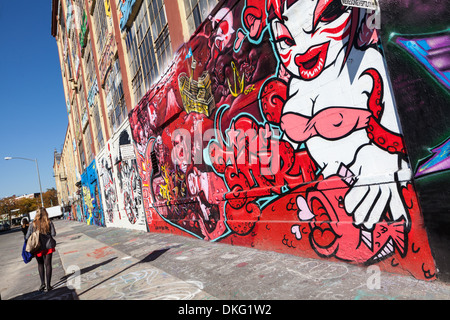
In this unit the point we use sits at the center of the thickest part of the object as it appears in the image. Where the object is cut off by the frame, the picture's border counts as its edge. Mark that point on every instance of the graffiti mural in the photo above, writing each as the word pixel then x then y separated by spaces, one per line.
pixel 431 52
pixel 343 128
pixel 120 182
pixel 438 161
pixel 79 213
pixel 109 194
pixel 417 54
pixel 178 196
pixel 92 205
pixel 275 127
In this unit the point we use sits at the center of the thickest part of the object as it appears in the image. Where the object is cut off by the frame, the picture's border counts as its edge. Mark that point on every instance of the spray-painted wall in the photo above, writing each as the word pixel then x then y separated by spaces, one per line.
pixel 120 182
pixel 276 127
pixel 92 205
pixel 417 38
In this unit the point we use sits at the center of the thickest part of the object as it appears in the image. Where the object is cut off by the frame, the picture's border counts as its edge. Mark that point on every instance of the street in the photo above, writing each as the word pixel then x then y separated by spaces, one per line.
pixel 94 263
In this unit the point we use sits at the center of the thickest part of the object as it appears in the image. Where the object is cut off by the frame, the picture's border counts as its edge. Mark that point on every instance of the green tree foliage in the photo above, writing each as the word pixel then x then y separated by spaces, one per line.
pixel 50 198
pixel 27 205
pixel 6 205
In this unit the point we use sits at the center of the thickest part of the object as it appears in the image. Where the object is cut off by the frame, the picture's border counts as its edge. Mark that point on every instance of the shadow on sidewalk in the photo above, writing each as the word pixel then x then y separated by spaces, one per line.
pixel 63 293
pixel 149 258
pixel 94 266
pixel 60 290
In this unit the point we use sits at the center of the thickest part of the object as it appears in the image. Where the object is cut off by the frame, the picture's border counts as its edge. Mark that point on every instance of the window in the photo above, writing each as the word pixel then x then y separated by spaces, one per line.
pixel 76 116
pixel 115 101
pixel 78 133
pixel 162 46
pixel 197 11
pixel 80 23
pixel 62 23
pixel 78 7
pixel 83 109
pixel 98 127
pixel 88 140
pixel 82 96
pixel 101 25
pixel 148 46
pixel 160 32
pixel 74 49
pixel 89 60
pixel 69 66
pixel 82 158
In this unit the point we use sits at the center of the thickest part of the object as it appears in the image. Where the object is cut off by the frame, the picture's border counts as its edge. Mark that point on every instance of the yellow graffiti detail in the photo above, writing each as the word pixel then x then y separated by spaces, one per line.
pixel 237 81
pixel 107 8
pixel 174 185
pixel 196 95
pixel 164 189
pixel 88 201
pixel 252 88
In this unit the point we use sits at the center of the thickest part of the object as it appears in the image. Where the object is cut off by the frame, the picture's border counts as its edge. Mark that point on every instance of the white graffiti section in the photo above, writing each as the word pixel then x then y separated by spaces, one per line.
pixel 120 182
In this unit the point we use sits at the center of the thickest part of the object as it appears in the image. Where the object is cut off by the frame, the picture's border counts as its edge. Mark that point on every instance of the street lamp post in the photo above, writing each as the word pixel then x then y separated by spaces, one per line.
pixel 37 168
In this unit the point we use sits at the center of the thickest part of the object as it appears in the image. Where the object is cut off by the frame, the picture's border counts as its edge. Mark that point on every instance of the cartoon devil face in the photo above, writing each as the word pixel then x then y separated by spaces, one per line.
pixel 308 48
pixel 223 21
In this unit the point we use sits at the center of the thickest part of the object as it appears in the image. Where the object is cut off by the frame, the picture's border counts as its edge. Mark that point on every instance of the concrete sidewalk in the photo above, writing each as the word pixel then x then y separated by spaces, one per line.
pixel 94 263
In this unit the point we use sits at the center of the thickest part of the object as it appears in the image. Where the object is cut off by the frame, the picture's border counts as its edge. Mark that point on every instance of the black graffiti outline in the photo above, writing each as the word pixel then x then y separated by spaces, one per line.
pixel 285 242
pixel 427 273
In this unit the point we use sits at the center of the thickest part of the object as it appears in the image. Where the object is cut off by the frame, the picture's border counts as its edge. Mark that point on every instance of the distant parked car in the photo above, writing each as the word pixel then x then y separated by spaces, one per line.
pixel 5 226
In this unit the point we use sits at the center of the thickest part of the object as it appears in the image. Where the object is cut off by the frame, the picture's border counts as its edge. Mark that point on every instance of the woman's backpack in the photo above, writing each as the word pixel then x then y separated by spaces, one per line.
pixel 33 243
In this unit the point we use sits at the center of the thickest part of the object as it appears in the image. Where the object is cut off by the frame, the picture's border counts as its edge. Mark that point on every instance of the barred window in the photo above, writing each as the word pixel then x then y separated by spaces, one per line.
pixel 148 46
pixel 78 8
pixel 82 157
pixel 88 140
pixel 80 92
pixel 69 66
pixel 197 11
pixel 101 25
pixel 98 127
pixel 115 100
pixel 79 5
pixel 77 125
pixel 74 42
pixel 61 19
pixel 76 115
pixel 74 49
pixel 62 23
pixel 83 109
pixel 89 60
pixel 163 50
pixel 160 32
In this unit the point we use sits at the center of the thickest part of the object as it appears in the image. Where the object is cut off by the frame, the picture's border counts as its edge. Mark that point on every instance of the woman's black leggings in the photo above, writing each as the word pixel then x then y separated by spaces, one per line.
pixel 45 260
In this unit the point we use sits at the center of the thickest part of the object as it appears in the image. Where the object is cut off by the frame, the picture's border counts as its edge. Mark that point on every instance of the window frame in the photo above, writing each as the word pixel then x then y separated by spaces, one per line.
pixel 148 55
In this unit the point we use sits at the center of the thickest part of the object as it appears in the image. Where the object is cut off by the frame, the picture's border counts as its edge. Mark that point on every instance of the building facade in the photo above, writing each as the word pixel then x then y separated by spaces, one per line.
pixel 276 124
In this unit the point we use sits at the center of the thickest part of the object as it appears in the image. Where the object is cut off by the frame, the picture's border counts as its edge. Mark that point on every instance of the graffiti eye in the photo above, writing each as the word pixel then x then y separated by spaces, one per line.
pixel 283 36
pixel 224 27
pixel 286 42
pixel 333 11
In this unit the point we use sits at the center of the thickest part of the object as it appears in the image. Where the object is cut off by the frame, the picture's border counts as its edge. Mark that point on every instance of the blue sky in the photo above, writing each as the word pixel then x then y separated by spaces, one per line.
pixel 33 119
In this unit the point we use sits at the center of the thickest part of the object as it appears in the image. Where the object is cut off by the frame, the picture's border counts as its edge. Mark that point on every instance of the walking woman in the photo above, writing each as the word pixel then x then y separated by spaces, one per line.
pixel 25 226
pixel 48 244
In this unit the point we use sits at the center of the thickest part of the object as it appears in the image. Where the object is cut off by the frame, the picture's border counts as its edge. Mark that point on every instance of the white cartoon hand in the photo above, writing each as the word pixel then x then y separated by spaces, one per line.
pixel 376 188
